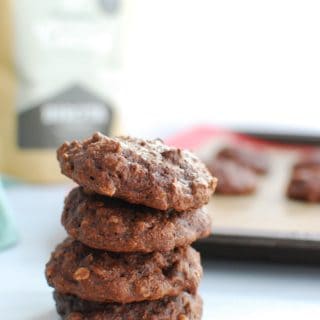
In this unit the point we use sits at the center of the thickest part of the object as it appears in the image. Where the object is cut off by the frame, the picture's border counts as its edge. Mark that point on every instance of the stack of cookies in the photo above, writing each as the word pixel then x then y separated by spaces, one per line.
pixel 130 224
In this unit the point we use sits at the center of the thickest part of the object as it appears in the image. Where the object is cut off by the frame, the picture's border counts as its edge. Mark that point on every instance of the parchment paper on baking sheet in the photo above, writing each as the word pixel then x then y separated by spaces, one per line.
pixel 267 213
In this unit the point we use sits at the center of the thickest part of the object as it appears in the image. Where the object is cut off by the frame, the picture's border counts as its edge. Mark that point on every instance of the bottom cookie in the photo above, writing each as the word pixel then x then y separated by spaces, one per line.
pixel 182 307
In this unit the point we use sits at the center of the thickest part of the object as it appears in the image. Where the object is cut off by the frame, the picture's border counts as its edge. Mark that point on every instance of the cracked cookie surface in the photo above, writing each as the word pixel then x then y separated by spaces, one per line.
pixel 145 172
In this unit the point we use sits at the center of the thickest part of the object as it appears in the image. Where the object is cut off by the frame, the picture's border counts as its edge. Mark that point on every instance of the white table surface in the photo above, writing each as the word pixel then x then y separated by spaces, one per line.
pixel 231 290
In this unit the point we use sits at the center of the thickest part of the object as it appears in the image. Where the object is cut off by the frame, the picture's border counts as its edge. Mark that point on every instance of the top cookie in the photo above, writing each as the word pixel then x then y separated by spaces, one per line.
pixel 138 171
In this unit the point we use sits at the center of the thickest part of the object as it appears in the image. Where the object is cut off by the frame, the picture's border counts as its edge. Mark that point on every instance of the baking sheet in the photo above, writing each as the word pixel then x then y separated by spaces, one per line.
pixel 268 211
pixel 266 224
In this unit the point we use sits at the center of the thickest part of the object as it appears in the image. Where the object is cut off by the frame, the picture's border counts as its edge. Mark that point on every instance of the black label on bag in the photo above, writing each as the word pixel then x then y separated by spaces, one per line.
pixel 73 114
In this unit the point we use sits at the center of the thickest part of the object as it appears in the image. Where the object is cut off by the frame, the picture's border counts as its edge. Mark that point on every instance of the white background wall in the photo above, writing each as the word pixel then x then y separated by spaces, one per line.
pixel 249 63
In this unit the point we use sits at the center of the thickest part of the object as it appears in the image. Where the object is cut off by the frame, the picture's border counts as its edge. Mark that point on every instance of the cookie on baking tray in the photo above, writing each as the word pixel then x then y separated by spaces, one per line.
pixel 249 158
pixel 233 179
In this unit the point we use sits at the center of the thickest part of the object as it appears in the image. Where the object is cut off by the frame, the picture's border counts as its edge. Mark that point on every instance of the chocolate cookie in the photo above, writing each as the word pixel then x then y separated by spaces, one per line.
pixel 111 224
pixel 145 172
pixel 182 307
pixel 103 276
pixel 248 158
pixel 305 184
pixel 233 179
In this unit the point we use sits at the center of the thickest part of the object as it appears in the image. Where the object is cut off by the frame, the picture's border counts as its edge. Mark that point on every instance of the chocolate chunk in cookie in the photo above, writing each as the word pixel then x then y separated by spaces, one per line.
pixel 233 179
pixel 111 224
pixel 181 307
pixel 104 276
pixel 145 172
pixel 249 158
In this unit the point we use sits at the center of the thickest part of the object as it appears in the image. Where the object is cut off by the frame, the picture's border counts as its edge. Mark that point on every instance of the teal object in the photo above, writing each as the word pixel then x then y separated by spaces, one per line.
pixel 8 235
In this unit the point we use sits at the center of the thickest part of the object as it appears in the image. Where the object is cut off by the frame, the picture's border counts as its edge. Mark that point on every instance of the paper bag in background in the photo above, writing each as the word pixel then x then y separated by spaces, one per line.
pixel 59 70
